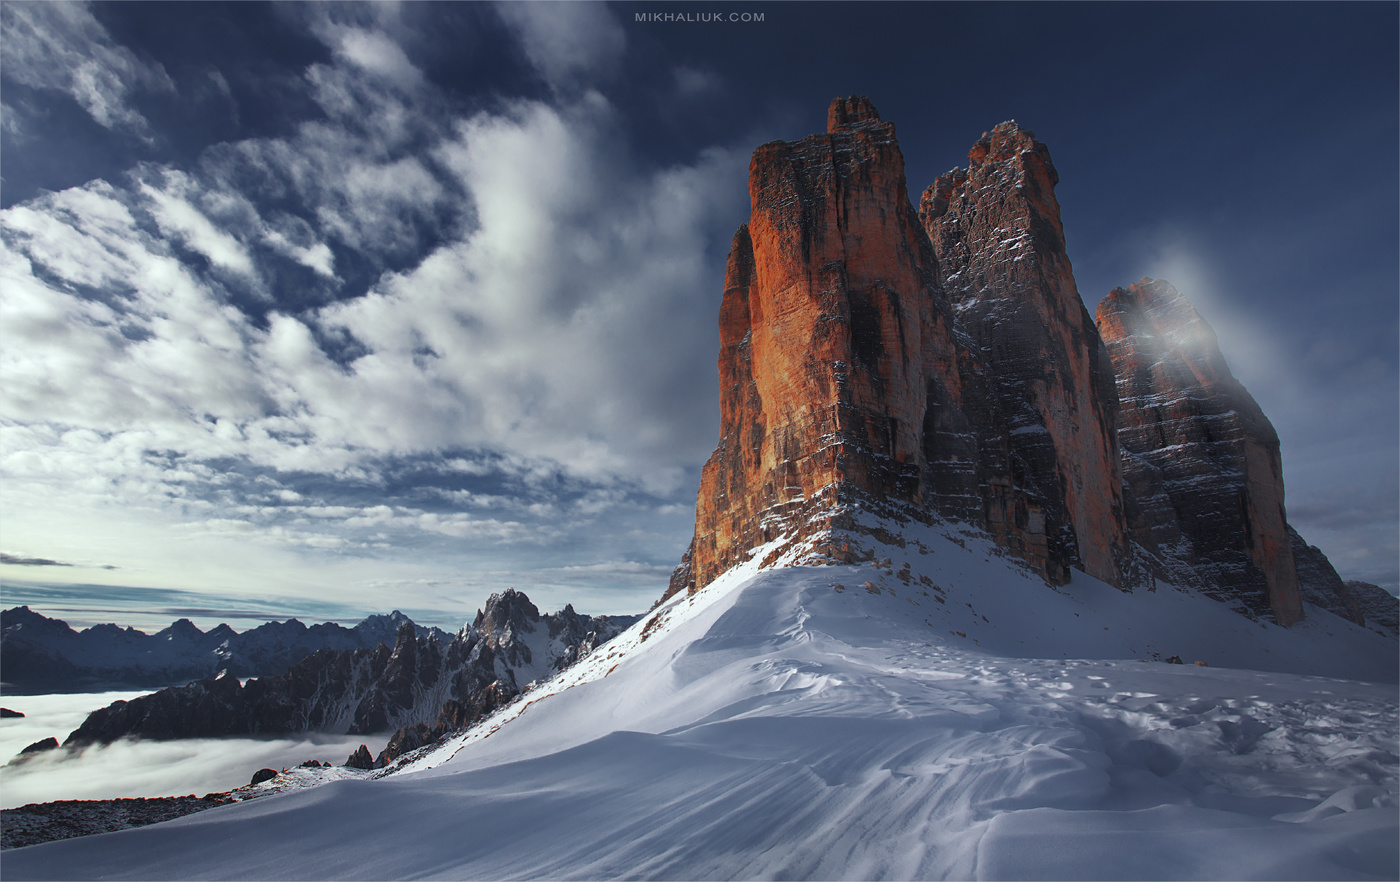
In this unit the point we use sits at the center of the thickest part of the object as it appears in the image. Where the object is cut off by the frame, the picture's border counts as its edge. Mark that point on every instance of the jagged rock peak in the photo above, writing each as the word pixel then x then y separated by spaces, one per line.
pixel 510 609
pixel 1005 141
pixel 833 337
pixel 1201 460
pixel 1153 308
pixel 851 112
pixel 1044 419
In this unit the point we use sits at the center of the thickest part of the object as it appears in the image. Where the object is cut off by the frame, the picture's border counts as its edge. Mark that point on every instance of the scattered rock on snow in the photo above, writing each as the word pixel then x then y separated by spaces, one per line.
pixel 262 775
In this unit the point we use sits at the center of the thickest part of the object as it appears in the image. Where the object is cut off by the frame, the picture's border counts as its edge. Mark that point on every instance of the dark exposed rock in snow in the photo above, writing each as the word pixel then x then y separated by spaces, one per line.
pixel 360 759
pixel 262 775
pixel 6 713
pixel 363 691
pixel 39 654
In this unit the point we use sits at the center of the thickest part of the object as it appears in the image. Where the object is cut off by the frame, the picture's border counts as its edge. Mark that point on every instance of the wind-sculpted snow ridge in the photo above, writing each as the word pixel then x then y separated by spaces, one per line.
pixel 934 711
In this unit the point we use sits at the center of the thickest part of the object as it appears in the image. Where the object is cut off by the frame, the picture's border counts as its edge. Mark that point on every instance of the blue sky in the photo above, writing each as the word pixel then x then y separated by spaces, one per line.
pixel 335 309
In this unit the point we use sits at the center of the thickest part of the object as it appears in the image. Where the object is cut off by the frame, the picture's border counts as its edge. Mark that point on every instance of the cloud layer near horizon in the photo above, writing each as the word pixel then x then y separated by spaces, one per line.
pixel 129 769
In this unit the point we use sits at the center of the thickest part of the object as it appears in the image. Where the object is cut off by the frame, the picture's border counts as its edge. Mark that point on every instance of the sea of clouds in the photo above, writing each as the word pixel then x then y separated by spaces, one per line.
pixel 129 768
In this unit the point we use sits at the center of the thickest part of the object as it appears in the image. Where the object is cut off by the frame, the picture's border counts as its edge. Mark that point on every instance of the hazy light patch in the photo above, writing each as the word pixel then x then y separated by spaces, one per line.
pixel 1333 404
pixel 141 768
pixel 566 42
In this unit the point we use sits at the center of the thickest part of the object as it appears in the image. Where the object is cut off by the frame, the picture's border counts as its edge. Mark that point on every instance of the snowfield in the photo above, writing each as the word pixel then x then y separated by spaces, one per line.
pixel 936 713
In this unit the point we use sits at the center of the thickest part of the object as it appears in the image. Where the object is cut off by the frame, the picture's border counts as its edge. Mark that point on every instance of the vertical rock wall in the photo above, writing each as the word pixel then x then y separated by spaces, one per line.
pixel 1201 459
pixel 833 340
pixel 1046 425
pixel 844 368
pixel 944 361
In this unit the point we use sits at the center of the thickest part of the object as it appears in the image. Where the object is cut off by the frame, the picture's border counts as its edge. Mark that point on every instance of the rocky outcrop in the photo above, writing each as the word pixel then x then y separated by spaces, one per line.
pixel 360 759
pixel 1199 457
pixel 366 691
pixel 41 746
pixel 262 775
pixel 1318 582
pixel 846 378
pixel 1379 607
pixel 1039 385
pixel 39 654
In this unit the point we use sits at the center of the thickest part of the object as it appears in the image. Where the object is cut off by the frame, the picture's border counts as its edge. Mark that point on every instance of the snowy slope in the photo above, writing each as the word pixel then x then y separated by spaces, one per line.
pixel 866 722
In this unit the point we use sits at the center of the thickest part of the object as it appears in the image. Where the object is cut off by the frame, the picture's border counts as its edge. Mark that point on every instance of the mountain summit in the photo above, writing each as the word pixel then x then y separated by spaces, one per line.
pixel 940 366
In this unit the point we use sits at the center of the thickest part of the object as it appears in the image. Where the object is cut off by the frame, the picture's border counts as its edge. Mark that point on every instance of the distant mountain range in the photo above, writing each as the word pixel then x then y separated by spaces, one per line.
pixel 420 685
pixel 40 654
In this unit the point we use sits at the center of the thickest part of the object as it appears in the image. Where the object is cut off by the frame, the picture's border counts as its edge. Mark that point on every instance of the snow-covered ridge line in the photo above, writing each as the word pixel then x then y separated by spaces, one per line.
pixel 658 622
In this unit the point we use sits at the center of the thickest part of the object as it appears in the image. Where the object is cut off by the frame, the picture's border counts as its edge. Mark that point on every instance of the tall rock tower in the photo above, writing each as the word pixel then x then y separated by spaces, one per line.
pixel 1047 421
pixel 847 376
pixel 833 341
pixel 1201 459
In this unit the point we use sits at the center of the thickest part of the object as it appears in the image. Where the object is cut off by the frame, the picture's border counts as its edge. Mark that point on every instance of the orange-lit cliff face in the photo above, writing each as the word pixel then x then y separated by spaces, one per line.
pixel 841 370
pixel 995 227
pixel 1201 460
pixel 833 338
pixel 943 365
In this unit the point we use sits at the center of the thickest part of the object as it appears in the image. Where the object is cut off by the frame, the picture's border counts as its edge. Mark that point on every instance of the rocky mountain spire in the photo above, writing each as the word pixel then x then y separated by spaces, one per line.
pixel 1200 458
pixel 1049 468
pixel 833 339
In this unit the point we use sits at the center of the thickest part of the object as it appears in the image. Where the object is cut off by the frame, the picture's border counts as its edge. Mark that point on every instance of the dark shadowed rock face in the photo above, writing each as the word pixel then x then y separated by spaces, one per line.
pixel 421 680
pixel 1378 606
pixel 262 775
pixel 1200 458
pixel 1318 582
pixel 360 759
pixel 39 654
pixel 1039 387
pixel 40 747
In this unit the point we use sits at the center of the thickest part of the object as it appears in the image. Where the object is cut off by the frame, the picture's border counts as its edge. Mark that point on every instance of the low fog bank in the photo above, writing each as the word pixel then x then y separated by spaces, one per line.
pixel 140 768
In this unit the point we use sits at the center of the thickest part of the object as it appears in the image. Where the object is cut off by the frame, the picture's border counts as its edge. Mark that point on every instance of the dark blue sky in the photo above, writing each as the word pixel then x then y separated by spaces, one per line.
pixel 396 305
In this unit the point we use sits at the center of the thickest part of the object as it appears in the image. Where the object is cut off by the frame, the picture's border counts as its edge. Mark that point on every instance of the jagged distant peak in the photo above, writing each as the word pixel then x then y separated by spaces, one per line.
pixel 509 608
